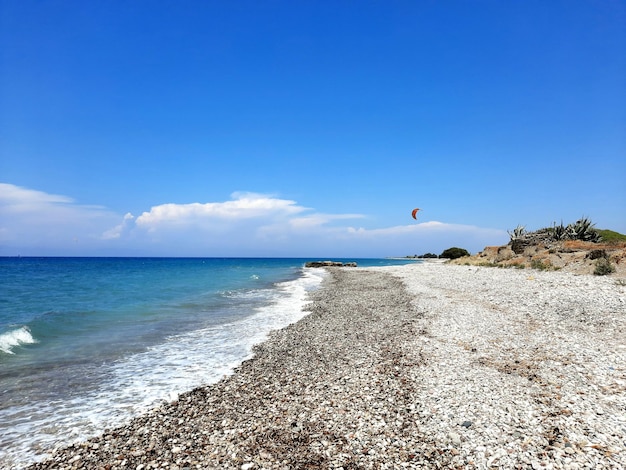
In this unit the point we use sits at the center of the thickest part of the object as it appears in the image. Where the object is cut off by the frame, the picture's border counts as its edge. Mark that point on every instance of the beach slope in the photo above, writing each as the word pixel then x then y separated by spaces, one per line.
pixel 417 366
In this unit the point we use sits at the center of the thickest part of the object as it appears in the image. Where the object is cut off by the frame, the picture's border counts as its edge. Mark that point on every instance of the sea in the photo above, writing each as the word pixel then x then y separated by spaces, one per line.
pixel 88 343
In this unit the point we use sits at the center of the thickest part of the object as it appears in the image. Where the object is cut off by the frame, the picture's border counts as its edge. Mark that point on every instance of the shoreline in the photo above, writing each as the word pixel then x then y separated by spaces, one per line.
pixel 415 366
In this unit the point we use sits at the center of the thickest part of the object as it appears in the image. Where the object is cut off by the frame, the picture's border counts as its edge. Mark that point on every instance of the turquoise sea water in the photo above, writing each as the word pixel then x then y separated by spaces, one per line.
pixel 88 343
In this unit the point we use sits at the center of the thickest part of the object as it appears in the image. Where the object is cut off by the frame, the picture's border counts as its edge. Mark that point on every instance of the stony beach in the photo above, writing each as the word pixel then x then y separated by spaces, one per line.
pixel 418 366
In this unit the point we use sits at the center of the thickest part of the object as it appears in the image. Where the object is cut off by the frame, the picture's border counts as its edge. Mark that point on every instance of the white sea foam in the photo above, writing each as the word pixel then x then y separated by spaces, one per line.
pixel 204 356
pixel 157 375
pixel 13 338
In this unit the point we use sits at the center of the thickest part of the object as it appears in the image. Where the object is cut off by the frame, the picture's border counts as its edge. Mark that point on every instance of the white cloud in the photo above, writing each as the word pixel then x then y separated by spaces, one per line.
pixel 419 238
pixel 45 222
pixel 243 206
pixel 424 228
pixel 316 220
pixel 16 199
pixel 249 224
pixel 116 232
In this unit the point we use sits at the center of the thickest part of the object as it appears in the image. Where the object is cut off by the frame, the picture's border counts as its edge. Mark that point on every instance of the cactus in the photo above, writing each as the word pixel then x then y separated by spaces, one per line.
pixel 559 232
pixel 518 232
pixel 583 230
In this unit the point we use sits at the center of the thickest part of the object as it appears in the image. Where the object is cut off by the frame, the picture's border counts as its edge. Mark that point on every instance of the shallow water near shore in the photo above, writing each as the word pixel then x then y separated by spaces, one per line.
pixel 88 343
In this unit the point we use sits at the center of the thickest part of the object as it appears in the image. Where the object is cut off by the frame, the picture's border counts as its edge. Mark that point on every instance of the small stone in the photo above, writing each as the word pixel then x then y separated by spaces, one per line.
pixel 512 431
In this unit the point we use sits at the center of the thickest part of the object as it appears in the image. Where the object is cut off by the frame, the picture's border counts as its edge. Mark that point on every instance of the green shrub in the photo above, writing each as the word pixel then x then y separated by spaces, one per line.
pixel 542 265
pixel 488 264
pixel 454 253
pixel 603 267
pixel 539 264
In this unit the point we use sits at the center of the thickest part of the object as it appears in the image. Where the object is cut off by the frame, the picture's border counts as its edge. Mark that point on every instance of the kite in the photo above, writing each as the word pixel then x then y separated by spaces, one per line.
pixel 414 213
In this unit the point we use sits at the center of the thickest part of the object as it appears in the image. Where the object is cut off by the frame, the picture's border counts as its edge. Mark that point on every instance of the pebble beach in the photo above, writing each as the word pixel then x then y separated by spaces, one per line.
pixel 417 366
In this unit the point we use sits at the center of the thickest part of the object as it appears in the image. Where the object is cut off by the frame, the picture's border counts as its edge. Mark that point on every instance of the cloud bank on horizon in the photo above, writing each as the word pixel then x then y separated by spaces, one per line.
pixel 35 223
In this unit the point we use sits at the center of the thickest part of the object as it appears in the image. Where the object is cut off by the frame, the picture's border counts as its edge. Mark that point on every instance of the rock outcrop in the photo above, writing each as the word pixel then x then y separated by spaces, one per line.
pixel 576 256
pixel 328 264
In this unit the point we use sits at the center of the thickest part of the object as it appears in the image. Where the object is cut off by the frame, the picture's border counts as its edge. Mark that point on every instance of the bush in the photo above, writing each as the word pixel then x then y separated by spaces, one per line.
pixel 597 254
pixel 454 253
pixel 603 267
pixel 541 265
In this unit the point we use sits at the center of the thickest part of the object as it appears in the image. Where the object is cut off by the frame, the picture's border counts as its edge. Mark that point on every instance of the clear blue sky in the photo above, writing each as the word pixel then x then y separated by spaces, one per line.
pixel 307 128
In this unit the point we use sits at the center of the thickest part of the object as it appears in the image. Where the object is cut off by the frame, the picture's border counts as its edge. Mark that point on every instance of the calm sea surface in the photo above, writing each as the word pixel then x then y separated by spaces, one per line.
pixel 88 343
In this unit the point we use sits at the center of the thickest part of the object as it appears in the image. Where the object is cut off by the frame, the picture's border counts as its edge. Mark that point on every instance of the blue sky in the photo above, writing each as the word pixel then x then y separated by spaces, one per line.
pixel 278 128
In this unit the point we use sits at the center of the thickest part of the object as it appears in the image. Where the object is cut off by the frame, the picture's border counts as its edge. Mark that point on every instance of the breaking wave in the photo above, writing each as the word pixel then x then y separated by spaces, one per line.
pixel 14 338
